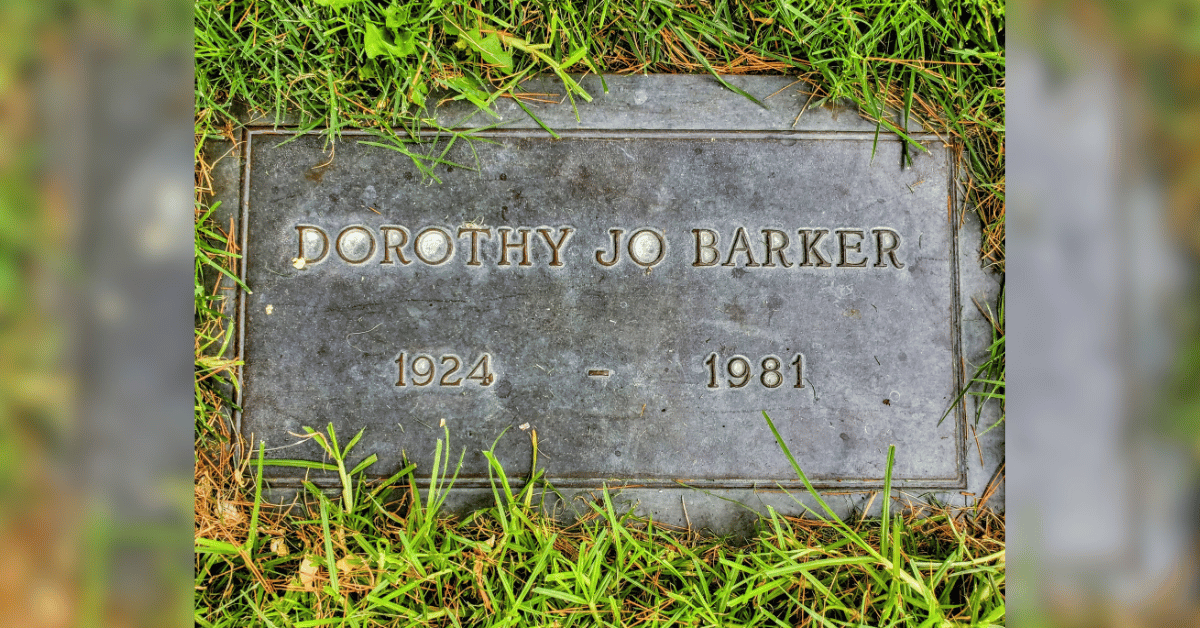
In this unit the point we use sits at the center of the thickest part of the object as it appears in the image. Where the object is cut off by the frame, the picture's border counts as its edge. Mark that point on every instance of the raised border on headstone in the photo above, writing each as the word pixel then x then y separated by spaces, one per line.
pixel 687 109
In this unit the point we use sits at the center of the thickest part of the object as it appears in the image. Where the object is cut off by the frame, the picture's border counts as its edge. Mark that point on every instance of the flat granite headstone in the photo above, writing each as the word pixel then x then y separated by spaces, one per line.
pixel 637 291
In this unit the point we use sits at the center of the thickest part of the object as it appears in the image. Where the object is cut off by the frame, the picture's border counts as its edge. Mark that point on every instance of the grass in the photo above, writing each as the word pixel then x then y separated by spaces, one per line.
pixel 382 554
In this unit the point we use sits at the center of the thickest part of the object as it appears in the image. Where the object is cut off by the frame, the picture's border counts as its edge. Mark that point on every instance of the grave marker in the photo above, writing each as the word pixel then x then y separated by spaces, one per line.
pixel 637 291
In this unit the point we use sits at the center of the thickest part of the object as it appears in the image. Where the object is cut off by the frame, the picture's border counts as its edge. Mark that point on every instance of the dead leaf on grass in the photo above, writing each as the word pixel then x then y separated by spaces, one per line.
pixel 308 573
pixel 229 512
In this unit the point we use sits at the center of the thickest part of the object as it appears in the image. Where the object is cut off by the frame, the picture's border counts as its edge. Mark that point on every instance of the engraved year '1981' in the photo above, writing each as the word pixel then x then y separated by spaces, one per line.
pixel 739 370
pixel 423 370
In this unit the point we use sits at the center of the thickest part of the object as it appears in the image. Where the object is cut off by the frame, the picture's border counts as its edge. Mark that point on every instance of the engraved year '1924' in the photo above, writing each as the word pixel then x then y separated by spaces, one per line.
pixel 740 371
pixel 423 370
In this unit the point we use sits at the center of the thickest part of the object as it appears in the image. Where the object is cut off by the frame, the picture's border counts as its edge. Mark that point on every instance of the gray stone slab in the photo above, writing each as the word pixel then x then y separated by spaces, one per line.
pixel 880 343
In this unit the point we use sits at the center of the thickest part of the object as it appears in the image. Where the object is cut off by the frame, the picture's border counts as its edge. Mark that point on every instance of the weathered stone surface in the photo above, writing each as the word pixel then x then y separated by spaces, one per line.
pixel 622 368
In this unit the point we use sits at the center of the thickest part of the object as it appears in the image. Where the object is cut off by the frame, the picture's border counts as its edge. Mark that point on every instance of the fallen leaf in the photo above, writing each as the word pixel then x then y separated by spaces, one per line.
pixel 350 562
pixel 203 487
pixel 229 512
pixel 308 573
